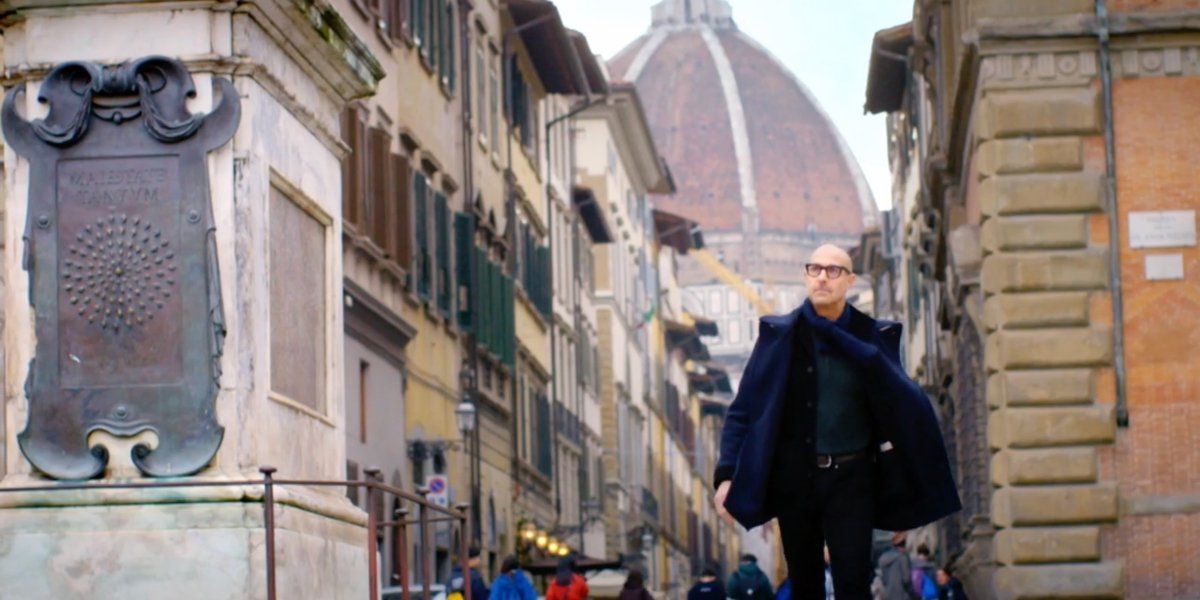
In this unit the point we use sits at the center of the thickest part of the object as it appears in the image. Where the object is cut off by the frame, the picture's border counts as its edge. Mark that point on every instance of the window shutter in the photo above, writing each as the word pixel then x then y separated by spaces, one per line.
pixel 422 267
pixel 545 464
pixel 377 217
pixel 448 46
pixel 398 19
pixel 442 247
pixel 402 221
pixel 354 166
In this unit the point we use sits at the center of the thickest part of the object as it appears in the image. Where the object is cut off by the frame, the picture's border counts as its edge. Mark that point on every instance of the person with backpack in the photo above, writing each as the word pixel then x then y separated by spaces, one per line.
pixel 512 584
pixel 949 587
pixel 567 584
pixel 895 571
pixel 924 574
pixel 479 589
pixel 708 588
pixel 748 582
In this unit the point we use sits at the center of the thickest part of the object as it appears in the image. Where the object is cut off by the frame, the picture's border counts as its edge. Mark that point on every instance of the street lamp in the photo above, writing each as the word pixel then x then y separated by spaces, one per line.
pixel 465 415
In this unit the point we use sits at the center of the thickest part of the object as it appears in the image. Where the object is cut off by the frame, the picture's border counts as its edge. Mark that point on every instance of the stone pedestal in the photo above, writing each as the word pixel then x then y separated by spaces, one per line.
pixel 275 195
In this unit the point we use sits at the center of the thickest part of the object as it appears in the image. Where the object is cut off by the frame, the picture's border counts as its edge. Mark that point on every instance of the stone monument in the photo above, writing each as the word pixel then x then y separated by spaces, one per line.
pixel 171 274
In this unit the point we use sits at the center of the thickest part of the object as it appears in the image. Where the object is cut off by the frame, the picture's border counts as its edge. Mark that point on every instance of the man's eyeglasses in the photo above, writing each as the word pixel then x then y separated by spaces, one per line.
pixel 832 271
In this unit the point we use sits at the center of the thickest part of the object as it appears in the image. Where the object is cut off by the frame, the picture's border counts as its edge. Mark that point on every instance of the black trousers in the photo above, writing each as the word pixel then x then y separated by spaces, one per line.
pixel 837 512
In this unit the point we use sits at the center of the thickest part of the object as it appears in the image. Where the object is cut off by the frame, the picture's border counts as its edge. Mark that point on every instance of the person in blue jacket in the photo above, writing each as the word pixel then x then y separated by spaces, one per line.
pixel 512 584
pixel 829 434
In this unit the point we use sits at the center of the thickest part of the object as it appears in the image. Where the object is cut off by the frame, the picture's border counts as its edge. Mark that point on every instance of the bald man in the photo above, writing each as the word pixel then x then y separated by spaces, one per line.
pixel 829 434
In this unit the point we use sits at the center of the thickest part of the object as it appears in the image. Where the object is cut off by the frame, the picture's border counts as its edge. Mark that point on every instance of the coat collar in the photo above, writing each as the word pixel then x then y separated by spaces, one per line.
pixel 861 325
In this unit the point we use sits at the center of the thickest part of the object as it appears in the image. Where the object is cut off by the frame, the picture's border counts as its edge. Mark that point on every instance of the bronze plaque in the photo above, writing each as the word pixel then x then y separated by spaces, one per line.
pixel 119 244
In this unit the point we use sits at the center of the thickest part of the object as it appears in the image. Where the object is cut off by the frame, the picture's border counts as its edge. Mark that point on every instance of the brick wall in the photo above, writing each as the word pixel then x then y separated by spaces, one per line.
pixel 1156 461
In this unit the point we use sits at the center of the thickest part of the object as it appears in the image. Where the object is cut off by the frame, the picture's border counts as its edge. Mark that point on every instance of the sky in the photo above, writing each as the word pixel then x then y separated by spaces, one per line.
pixel 826 43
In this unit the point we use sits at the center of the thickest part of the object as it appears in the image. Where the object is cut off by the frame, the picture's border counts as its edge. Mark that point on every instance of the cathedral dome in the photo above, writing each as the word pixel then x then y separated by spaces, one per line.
pixel 751 151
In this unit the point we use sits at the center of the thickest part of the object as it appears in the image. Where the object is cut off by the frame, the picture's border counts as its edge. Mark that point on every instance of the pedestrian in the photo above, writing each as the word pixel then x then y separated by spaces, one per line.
pixel 512 584
pixel 567 584
pixel 635 587
pixel 748 582
pixel 896 571
pixel 924 574
pixel 949 587
pixel 829 434
pixel 479 588
pixel 708 587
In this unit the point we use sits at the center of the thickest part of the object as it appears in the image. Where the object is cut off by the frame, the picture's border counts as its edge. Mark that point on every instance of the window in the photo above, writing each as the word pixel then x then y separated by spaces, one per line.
pixel 400 211
pixel 494 99
pixel 442 232
pixel 481 93
pixel 432 27
pixel 378 203
pixel 396 19
pixel 376 188
pixel 363 370
pixel 520 109
pixel 423 269
pixel 297 282
pixel 446 66
pixel 354 166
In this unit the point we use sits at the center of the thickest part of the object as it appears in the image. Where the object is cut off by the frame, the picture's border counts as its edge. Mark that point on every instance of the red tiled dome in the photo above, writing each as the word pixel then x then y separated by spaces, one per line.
pixel 741 134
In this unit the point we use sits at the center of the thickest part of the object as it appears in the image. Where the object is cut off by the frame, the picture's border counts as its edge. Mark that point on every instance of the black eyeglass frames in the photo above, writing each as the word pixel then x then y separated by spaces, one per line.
pixel 832 271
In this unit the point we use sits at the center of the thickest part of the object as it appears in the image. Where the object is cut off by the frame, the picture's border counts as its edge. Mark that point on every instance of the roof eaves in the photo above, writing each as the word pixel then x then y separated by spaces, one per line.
pixel 887 75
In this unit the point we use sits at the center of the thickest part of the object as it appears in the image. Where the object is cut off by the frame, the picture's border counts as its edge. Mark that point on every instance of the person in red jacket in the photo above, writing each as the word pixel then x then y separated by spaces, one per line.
pixel 567 584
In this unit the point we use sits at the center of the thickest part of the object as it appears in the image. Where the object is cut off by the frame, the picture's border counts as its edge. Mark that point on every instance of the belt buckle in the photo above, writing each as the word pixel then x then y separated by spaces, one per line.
pixel 824 461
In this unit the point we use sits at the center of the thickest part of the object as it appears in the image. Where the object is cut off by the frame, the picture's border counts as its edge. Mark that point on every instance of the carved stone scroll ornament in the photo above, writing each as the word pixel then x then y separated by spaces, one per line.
pixel 120 248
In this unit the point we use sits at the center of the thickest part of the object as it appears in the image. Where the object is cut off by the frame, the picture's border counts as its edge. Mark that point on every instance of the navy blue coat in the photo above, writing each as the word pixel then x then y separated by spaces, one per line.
pixel 913 481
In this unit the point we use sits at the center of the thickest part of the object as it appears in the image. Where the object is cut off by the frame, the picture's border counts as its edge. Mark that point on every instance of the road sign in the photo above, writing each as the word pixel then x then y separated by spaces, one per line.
pixel 439 490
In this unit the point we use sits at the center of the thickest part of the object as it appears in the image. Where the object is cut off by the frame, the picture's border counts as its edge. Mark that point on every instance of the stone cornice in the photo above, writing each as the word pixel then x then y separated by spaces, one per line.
pixel 1083 25
pixel 315 35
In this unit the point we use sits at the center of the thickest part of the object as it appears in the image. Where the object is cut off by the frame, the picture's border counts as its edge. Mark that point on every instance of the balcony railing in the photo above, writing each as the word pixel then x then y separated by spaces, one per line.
pixel 378 496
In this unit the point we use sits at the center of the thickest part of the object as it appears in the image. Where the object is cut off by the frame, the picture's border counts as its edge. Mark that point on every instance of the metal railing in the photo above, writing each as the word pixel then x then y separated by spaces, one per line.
pixel 428 514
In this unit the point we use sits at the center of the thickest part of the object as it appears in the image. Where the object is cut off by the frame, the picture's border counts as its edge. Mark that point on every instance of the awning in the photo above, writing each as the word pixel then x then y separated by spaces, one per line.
pixel 549 566
pixel 589 210
pixel 677 232
pixel 551 50
pixel 712 406
pixel 887 75
pixel 591 65
pixel 710 382
pixel 705 326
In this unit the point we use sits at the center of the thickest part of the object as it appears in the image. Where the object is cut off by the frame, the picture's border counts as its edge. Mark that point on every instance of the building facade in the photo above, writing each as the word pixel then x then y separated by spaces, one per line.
pixel 442 272
pixel 1041 253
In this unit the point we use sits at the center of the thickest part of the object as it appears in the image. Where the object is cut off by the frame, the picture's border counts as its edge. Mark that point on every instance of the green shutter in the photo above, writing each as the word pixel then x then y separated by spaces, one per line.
pixel 421 199
pixel 544 283
pixel 442 231
pixel 544 461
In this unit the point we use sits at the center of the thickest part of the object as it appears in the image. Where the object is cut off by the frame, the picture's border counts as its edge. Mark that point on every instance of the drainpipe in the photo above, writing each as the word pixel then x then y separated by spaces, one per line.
pixel 1114 227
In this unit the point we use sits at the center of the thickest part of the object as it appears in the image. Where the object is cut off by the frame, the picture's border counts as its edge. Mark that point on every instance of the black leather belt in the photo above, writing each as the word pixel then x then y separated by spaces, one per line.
pixel 827 461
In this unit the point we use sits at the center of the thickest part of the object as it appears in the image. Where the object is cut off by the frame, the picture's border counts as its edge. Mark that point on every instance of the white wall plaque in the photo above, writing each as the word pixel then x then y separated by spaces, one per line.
pixel 1161 267
pixel 1162 229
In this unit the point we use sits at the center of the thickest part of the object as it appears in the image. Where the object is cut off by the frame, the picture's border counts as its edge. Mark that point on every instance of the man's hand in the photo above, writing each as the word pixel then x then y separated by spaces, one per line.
pixel 719 501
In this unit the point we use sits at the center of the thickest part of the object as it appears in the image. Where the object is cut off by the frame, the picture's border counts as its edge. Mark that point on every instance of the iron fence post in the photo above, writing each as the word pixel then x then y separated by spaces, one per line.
pixel 269 526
